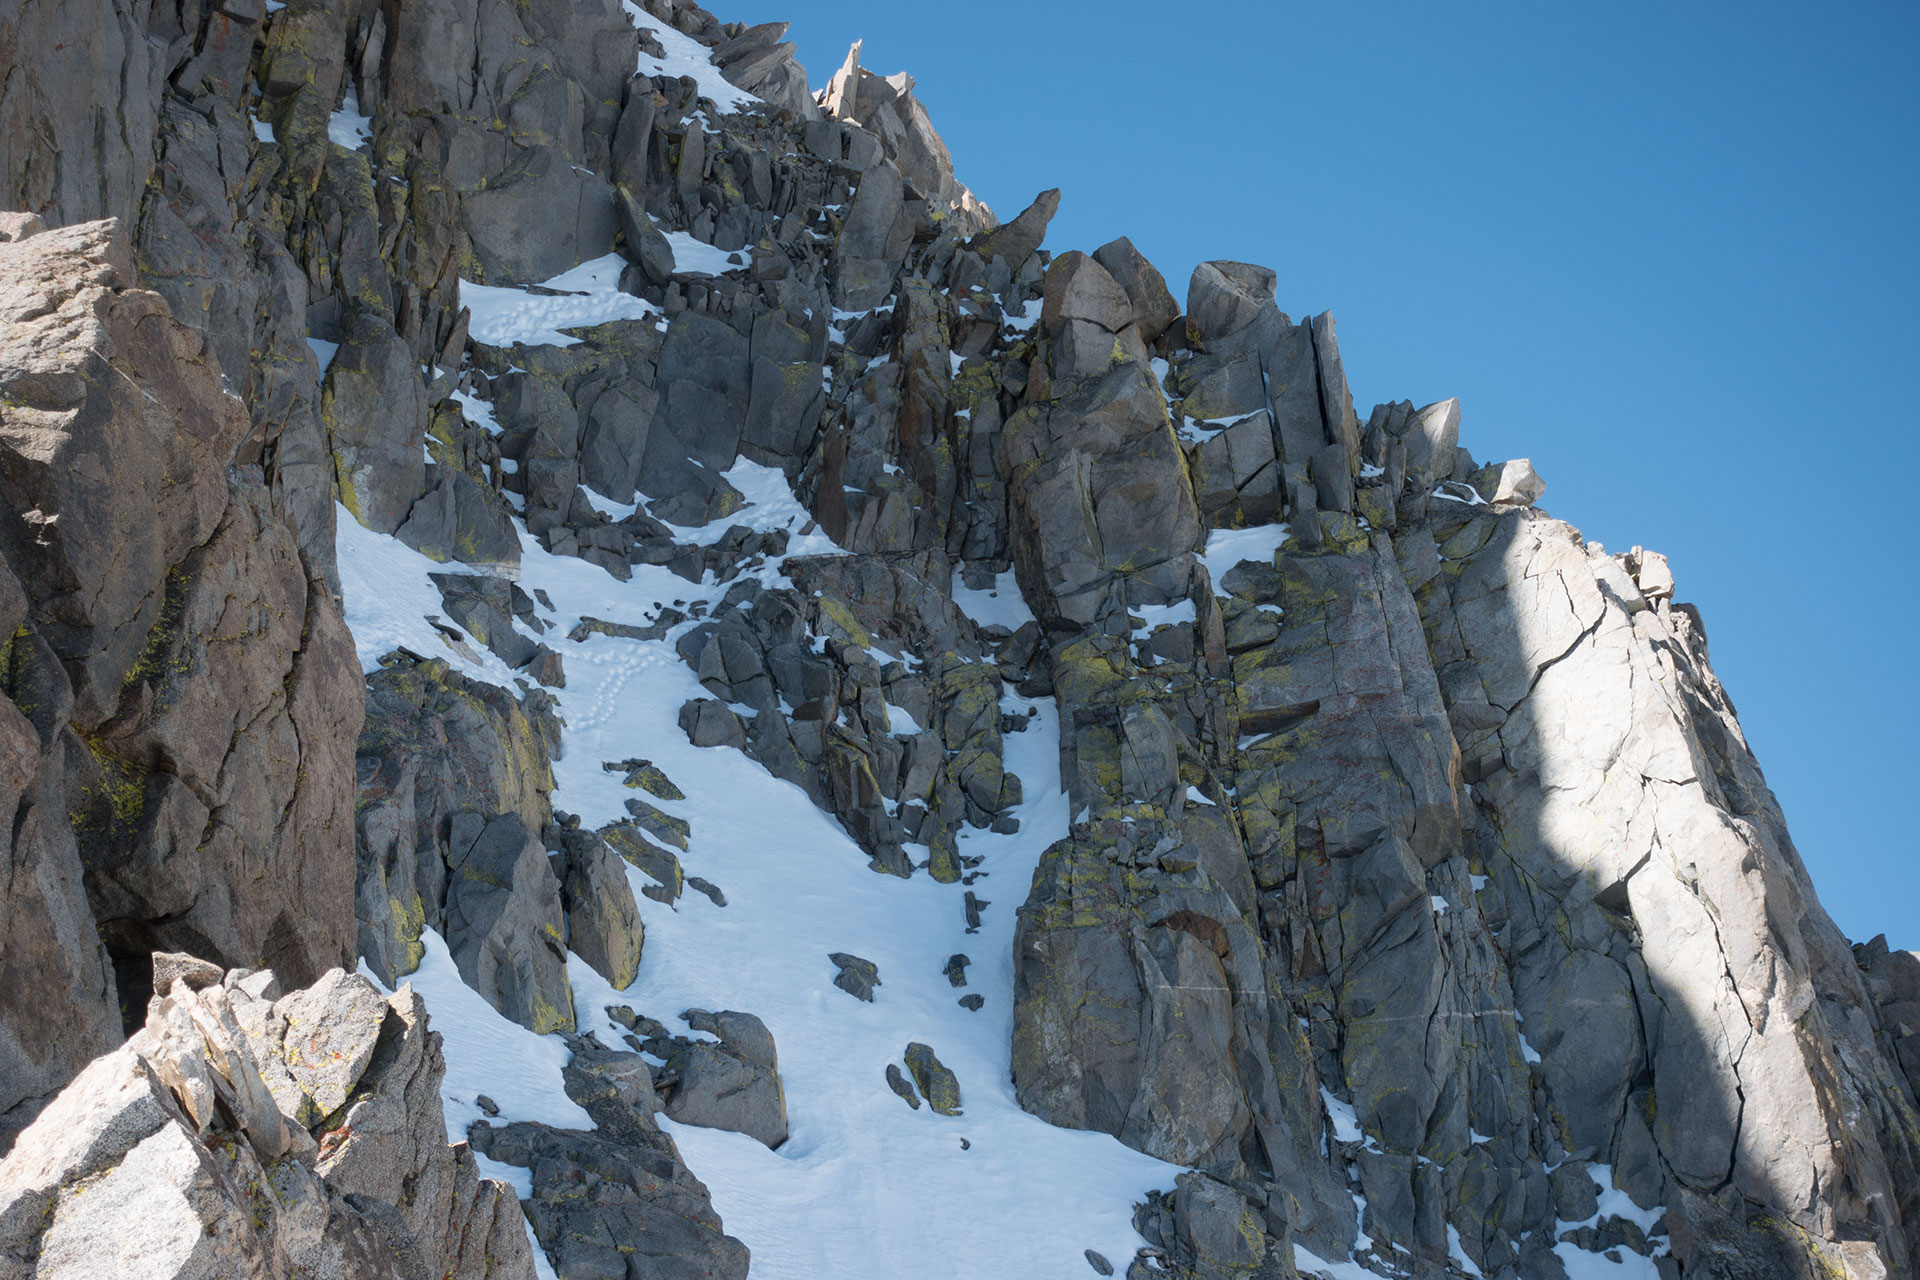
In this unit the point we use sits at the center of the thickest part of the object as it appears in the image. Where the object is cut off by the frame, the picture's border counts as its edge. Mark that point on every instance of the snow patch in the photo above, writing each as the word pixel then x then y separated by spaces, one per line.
pixel 387 596
pixel 1307 1262
pixel 347 127
pixel 1459 1254
pixel 1000 605
pixel 1582 1265
pixel 770 505
pixel 1614 1203
pixel 1454 491
pixel 586 295
pixel 606 506
pixel 1155 616
pixel 1228 547
pixel 480 413
pixel 1345 1121
pixel 1217 425
pixel 686 56
pixel 1025 318
pixel 697 257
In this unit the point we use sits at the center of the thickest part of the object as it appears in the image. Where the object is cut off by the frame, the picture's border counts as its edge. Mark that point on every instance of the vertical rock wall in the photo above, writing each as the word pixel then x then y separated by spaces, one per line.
pixel 180 685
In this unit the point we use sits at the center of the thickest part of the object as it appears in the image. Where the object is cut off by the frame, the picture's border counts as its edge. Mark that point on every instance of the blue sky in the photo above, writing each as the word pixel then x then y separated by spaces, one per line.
pixel 1671 253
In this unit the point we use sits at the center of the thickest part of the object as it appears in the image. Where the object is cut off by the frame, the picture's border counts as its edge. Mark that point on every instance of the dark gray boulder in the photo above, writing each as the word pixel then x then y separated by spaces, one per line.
pixel 856 977
pixel 1224 298
pixel 373 405
pixel 645 1206
pixel 1153 307
pixel 603 921
pixel 718 1086
pixel 505 925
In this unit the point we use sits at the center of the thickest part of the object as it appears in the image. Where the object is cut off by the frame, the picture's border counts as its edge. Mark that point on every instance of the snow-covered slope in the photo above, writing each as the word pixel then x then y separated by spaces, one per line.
pixel 865 1188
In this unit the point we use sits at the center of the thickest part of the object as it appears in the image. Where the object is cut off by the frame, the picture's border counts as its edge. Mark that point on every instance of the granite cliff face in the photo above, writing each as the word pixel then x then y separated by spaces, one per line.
pixel 1420 896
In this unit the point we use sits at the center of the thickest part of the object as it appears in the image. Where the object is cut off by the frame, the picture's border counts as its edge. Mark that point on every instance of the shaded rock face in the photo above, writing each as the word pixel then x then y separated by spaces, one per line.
pixel 453 782
pixel 179 678
pixel 1439 764
pixel 241 1132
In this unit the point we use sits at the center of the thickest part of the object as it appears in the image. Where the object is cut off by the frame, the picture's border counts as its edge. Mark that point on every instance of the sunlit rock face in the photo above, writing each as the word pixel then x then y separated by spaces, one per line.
pixel 530 500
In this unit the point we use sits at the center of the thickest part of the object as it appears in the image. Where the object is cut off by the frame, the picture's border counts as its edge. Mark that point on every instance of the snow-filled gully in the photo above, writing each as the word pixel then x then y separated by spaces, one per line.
pixel 864 1186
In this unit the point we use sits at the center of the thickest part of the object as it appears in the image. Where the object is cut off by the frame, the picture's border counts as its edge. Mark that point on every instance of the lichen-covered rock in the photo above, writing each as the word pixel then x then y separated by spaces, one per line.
pixel 439 747
pixel 603 922
pixel 374 407
pixel 505 923
pixel 327 1038
pixel 855 976
pixel 936 1080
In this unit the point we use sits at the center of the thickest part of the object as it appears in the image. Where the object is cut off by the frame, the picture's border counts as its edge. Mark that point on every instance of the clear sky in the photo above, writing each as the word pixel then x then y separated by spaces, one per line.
pixel 1671 253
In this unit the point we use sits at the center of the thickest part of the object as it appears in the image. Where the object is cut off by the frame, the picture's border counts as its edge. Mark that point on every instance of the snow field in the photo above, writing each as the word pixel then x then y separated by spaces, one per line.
pixel 864 1187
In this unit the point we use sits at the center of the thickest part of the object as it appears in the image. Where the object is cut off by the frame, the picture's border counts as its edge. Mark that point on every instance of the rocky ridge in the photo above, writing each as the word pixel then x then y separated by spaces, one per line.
pixel 1421 895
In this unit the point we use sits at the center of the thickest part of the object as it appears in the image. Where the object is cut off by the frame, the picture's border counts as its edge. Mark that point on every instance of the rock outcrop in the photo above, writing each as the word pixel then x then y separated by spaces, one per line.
pixel 1437 763
pixel 1440 763
pixel 1420 891
pixel 618 1191
pixel 454 776
pixel 178 674
pixel 242 1132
